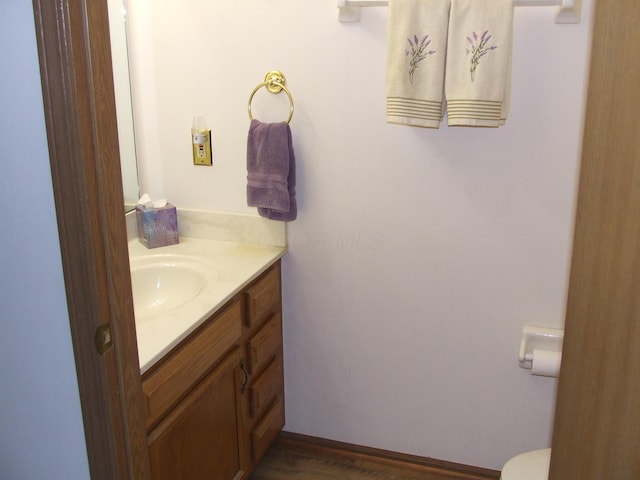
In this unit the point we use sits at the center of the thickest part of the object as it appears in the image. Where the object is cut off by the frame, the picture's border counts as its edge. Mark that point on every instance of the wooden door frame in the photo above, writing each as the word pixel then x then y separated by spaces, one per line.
pixel 79 104
pixel 596 428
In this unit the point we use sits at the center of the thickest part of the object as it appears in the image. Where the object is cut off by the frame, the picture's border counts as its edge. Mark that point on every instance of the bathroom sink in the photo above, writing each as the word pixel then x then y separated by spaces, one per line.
pixel 162 283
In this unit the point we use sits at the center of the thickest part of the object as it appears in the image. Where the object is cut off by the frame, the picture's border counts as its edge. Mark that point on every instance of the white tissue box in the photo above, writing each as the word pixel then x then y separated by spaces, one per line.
pixel 157 227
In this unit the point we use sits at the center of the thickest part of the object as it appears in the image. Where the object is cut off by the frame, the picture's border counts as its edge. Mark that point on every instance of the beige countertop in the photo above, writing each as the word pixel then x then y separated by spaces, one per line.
pixel 232 266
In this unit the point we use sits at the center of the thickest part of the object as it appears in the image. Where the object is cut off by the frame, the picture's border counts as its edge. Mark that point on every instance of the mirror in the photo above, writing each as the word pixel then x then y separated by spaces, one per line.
pixel 124 110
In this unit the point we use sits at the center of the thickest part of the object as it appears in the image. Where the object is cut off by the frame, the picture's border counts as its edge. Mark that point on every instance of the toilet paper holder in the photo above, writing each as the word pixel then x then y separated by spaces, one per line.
pixel 538 338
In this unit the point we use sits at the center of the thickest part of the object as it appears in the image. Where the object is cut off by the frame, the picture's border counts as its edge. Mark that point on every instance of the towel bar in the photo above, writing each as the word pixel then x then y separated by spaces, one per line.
pixel 569 12
pixel 275 82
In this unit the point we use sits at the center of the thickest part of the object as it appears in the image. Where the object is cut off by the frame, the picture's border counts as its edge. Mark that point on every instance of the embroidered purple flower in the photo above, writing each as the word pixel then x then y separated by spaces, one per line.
pixel 418 52
pixel 478 48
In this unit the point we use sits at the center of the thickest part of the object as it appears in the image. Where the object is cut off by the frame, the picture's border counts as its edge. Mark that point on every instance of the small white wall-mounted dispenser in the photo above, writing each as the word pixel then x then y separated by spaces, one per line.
pixel 541 350
pixel 201 138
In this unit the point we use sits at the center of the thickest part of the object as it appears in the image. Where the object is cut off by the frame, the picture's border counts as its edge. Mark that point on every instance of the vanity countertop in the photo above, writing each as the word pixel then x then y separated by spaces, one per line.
pixel 234 265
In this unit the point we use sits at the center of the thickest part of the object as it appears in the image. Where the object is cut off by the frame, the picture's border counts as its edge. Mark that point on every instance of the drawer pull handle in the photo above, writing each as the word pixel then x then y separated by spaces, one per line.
pixel 246 377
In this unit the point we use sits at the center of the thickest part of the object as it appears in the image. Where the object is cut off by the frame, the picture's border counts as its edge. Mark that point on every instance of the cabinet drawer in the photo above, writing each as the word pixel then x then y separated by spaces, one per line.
pixel 267 430
pixel 263 295
pixel 190 363
pixel 265 343
pixel 267 387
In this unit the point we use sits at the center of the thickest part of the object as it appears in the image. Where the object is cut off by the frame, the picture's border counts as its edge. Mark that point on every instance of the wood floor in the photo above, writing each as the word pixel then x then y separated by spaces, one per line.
pixel 297 457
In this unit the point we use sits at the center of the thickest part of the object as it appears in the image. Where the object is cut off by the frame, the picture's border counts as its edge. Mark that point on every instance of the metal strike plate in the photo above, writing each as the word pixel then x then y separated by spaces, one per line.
pixel 104 338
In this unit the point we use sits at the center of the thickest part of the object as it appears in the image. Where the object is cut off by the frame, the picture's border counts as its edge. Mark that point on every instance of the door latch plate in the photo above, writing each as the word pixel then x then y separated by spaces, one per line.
pixel 104 338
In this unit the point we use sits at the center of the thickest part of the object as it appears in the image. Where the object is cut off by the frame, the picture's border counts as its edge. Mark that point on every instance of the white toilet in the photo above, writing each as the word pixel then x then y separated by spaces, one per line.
pixel 528 466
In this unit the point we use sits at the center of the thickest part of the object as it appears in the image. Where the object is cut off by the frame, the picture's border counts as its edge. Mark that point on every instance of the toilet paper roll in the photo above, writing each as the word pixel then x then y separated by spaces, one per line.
pixel 546 363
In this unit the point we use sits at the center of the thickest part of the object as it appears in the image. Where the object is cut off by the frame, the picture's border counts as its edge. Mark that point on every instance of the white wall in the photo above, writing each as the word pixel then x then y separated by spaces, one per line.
pixel 418 254
pixel 41 432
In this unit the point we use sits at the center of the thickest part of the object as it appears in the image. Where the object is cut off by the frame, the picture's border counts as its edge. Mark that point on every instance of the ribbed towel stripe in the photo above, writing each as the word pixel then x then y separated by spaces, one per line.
pixel 414 108
pixel 474 109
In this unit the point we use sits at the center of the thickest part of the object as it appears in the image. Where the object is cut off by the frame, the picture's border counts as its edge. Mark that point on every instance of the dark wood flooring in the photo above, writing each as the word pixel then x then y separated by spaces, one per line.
pixel 298 457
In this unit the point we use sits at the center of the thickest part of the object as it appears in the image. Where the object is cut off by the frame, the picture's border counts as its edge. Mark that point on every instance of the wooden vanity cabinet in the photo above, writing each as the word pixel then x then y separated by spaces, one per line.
pixel 215 403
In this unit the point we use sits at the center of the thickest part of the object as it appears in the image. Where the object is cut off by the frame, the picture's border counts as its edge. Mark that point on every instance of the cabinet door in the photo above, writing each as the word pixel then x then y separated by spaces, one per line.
pixel 199 439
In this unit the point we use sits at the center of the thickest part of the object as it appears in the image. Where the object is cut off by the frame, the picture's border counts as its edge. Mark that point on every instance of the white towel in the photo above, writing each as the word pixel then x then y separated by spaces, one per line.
pixel 416 55
pixel 477 87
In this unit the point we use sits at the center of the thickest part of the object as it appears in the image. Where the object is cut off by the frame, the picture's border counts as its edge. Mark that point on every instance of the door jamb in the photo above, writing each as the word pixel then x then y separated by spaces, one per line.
pixel 79 104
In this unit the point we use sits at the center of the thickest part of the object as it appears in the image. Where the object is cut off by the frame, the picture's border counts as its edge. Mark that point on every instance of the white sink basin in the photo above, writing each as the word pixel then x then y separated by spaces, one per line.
pixel 162 283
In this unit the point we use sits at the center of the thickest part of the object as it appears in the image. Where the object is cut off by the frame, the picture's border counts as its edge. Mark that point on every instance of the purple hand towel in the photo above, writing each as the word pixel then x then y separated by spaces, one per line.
pixel 271 178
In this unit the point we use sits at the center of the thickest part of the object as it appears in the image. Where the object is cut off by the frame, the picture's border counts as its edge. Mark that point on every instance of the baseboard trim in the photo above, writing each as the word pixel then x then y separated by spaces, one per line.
pixel 296 441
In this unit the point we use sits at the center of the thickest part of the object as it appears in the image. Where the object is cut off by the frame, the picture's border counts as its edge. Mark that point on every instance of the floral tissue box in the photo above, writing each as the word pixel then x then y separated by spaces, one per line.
pixel 157 227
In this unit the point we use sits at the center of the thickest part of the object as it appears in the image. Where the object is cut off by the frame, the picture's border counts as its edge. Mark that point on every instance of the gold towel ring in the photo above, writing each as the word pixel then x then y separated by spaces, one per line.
pixel 275 82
